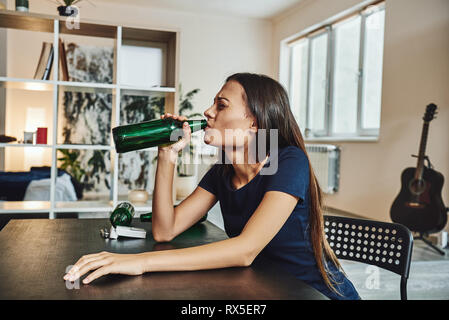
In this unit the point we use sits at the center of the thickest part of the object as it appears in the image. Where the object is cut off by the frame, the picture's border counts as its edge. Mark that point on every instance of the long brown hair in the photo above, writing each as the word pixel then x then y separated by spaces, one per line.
pixel 268 102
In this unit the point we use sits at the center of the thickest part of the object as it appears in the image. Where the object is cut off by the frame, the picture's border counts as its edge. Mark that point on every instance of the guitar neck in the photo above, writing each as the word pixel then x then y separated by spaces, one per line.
pixel 422 151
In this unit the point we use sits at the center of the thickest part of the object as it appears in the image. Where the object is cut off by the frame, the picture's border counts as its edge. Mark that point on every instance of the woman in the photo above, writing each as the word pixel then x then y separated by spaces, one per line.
pixel 266 216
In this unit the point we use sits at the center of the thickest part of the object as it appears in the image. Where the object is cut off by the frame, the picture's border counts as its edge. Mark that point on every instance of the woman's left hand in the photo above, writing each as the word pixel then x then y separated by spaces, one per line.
pixel 105 263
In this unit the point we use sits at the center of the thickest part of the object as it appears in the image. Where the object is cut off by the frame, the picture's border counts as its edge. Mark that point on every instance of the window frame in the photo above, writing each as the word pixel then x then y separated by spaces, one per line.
pixel 364 15
pixel 361 133
pixel 311 37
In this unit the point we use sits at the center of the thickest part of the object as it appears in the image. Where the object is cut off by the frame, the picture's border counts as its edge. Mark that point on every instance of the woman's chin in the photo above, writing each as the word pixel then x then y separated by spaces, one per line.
pixel 210 143
pixel 208 140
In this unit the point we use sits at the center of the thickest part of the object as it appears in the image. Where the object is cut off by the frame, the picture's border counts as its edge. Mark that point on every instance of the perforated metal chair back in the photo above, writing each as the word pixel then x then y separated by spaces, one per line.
pixel 386 245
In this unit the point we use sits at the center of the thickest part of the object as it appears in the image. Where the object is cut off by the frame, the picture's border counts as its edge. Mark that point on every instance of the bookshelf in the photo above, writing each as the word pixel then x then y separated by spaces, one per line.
pixel 55 27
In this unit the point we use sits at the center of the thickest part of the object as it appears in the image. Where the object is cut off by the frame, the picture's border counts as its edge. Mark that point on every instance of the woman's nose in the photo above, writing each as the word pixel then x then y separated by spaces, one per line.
pixel 208 113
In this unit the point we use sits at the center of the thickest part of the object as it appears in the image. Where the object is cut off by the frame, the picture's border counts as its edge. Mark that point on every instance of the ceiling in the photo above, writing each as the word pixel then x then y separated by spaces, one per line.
pixel 263 9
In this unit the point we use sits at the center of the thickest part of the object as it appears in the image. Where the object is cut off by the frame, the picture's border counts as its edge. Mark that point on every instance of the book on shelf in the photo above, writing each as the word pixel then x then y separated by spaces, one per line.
pixel 63 61
pixel 45 63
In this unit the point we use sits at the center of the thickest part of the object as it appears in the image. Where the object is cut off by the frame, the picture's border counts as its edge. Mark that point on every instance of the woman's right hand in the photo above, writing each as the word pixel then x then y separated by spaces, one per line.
pixel 174 148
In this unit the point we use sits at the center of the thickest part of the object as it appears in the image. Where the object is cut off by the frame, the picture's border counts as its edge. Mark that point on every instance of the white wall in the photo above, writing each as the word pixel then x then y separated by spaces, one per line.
pixel 415 73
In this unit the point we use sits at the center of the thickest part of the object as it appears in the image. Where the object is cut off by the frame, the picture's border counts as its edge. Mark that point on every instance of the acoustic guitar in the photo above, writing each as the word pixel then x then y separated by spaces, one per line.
pixel 419 205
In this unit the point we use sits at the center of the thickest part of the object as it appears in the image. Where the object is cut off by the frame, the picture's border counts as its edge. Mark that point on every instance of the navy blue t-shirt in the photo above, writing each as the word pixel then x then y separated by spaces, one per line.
pixel 291 246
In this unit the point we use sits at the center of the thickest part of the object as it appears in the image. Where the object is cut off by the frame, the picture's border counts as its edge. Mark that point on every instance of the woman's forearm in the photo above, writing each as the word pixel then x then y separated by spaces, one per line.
pixel 226 253
pixel 222 254
pixel 162 206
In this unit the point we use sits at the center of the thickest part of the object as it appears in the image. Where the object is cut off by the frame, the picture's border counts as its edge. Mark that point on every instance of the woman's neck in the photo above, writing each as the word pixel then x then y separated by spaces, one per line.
pixel 244 171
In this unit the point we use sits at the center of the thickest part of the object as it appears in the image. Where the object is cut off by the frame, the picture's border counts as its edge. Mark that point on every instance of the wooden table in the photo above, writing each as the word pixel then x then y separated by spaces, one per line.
pixel 36 253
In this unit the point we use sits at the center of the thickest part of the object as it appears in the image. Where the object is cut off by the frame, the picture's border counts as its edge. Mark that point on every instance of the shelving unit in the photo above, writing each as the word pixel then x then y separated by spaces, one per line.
pixel 120 34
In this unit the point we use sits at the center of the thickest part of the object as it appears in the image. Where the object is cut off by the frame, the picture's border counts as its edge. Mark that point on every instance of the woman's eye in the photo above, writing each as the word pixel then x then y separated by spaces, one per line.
pixel 220 106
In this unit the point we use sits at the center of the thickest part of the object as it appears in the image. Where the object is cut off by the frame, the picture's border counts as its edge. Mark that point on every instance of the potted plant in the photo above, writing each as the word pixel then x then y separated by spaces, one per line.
pixel 186 171
pixel 138 109
pixel 67 8
pixel 21 5
pixel 186 177
pixel 69 162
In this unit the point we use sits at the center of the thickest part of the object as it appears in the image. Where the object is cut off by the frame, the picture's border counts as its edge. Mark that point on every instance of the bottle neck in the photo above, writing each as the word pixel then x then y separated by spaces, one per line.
pixel 195 125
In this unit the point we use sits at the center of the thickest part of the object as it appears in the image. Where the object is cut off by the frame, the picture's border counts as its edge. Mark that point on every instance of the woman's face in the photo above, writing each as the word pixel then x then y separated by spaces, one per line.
pixel 229 119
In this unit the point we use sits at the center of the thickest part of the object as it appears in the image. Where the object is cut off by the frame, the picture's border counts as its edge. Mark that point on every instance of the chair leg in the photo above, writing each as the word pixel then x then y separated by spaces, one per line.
pixel 403 288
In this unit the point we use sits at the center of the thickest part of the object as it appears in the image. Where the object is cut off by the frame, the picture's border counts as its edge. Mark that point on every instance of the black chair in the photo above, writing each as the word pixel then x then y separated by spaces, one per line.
pixel 386 245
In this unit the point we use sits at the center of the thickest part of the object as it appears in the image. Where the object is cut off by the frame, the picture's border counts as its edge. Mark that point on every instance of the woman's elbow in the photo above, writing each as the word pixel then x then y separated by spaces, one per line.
pixel 248 256
pixel 247 261
pixel 162 236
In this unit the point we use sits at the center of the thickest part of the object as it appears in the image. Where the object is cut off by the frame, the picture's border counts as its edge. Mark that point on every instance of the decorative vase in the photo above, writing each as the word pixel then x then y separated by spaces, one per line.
pixel 185 186
pixel 68 11
pixel 138 196
pixel 22 5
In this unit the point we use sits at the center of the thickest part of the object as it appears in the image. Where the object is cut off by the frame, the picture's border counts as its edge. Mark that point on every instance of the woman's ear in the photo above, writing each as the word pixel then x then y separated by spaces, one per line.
pixel 253 126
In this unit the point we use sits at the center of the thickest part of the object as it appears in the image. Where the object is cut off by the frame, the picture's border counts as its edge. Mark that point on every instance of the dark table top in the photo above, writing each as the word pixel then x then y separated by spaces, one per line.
pixel 36 253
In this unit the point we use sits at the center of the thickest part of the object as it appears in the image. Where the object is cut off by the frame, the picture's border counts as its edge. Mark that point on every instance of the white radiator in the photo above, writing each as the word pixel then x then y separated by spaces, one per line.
pixel 325 161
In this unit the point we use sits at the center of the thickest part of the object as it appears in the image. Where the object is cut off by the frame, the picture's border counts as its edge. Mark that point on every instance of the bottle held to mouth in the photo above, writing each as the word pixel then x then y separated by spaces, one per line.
pixel 149 134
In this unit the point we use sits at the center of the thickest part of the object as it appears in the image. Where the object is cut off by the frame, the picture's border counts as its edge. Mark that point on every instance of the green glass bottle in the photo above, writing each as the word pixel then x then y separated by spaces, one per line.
pixel 149 134
pixel 203 218
pixel 122 215
pixel 146 217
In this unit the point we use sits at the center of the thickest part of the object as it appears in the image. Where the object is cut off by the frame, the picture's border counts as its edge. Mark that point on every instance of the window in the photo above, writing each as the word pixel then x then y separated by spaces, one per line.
pixel 336 77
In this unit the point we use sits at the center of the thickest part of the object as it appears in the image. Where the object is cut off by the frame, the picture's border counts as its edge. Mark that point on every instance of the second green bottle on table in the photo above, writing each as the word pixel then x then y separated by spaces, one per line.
pixel 147 217
pixel 150 133
pixel 122 214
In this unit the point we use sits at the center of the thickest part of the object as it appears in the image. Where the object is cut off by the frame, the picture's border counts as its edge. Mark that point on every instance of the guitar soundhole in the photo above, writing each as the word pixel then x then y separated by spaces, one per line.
pixel 415 205
pixel 417 187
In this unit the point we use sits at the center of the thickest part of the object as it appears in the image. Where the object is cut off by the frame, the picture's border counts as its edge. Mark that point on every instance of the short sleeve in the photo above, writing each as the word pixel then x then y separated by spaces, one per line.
pixel 292 175
pixel 210 180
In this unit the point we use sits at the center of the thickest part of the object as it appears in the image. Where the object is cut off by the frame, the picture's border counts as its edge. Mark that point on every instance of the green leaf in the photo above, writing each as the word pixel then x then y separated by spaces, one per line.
pixel 194 115
pixel 185 103
pixel 190 94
